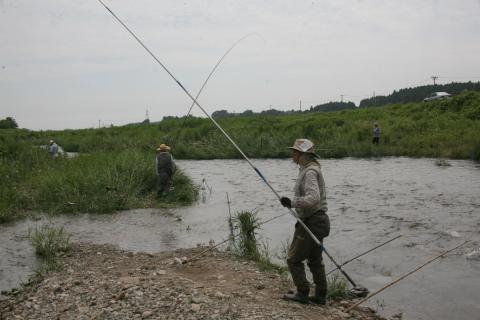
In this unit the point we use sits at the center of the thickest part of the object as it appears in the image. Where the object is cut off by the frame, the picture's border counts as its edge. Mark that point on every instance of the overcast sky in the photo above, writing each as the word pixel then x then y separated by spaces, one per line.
pixel 69 64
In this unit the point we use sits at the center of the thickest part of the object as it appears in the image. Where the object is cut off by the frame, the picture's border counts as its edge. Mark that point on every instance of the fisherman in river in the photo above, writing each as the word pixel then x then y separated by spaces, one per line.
pixel 204 189
pixel 165 167
pixel 310 203
pixel 53 149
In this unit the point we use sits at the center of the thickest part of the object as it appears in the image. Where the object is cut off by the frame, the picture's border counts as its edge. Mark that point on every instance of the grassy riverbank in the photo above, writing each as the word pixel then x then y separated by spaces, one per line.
pixel 447 128
pixel 99 182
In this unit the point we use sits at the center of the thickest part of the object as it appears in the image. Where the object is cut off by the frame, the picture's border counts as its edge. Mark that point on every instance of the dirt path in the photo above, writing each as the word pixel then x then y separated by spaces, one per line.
pixel 103 282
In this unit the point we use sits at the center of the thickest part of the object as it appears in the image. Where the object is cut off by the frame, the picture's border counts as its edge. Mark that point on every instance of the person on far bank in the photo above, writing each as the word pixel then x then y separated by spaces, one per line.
pixel 376 134
pixel 165 167
pixel 53 149
pixel 310 203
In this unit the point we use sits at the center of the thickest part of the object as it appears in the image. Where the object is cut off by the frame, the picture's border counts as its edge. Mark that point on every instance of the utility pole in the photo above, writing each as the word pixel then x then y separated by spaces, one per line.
pixel 434 78
pixel 341 97
pixel 300 105
pixel 98 123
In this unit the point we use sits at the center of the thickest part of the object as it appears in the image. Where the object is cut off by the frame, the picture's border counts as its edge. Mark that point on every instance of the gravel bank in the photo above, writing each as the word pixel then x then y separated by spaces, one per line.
pixel 103 282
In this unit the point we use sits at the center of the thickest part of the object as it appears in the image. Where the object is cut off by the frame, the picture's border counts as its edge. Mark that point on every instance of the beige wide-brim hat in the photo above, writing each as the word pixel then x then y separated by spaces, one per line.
pixel 304 146
pixel 163 147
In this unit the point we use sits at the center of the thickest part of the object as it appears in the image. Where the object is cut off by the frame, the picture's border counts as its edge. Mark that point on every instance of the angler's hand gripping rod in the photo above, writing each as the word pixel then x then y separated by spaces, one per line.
pixel 232 142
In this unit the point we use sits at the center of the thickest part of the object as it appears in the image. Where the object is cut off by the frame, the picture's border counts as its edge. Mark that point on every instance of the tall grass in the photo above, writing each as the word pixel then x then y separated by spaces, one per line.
pixel 447 129
pixel 100 182
pixel 246 224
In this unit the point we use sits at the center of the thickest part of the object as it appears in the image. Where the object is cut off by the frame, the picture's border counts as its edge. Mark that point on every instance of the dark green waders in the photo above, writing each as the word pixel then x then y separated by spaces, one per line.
pixel 303 247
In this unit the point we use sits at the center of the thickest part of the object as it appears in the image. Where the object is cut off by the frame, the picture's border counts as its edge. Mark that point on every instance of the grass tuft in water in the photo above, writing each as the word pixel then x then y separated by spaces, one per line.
pixel 338 288
pixel 246 245
pixel 49 241
pixel 247 223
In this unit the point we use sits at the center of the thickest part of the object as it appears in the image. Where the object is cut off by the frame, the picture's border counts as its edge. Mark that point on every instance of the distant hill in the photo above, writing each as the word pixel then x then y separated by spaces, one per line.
pixel 417 94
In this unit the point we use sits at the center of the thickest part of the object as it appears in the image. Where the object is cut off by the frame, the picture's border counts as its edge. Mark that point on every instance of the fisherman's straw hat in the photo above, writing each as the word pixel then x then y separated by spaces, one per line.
pixel 163 147
pixel 304 146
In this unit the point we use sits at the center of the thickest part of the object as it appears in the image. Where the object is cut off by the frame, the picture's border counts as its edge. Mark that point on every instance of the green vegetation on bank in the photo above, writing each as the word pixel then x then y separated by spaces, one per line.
pixel 246 245
pixel 447 128
pixel 98 182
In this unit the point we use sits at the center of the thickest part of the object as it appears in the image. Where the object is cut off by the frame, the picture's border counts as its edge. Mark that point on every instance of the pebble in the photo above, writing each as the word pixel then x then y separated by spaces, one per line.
pixel 195 307
pixel 146 314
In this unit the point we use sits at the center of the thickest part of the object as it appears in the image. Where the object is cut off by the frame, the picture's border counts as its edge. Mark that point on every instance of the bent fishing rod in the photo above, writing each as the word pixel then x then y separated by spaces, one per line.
pixel 205 83
pixel 292 212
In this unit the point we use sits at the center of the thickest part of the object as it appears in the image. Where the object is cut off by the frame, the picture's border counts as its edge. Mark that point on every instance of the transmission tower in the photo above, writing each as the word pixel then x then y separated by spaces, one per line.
pixel 434 79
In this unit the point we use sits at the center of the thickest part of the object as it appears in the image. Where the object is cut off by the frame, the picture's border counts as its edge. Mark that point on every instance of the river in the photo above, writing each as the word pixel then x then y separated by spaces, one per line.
pixel 432 207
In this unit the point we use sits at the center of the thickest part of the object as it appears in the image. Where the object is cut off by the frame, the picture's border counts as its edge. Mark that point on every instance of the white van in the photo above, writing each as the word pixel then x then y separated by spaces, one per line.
pixel 437 96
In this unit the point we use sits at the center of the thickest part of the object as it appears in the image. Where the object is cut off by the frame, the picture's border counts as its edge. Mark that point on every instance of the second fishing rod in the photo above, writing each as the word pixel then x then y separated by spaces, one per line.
pixel 293 213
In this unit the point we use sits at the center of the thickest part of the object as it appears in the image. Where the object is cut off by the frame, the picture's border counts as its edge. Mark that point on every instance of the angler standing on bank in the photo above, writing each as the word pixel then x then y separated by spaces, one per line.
pixel 310 203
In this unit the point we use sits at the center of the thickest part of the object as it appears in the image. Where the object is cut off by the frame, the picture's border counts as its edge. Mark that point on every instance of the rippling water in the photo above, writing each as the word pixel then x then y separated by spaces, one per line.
pixel 370 201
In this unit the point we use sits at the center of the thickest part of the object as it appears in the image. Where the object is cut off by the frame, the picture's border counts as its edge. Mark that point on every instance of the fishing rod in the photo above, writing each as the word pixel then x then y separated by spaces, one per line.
pixel 403 277
pixel 205 82
pixel 279 216
pixel 292 212
pixel 229 238
pixel 364 253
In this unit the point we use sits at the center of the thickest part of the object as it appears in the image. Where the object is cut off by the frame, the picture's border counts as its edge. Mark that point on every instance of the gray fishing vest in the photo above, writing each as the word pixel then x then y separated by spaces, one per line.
pixel 299 189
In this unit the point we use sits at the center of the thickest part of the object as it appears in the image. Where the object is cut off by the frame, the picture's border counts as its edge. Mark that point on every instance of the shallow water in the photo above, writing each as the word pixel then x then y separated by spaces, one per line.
pixel 370 201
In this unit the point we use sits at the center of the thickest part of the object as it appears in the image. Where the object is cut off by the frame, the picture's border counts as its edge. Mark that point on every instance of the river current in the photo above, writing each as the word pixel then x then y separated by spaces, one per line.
pixel 432 207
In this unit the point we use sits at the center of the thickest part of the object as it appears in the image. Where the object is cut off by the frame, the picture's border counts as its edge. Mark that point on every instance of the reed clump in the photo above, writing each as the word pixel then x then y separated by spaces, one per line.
pixel 247 223
pixel 338 288
pixel 49 242
pixel 246 245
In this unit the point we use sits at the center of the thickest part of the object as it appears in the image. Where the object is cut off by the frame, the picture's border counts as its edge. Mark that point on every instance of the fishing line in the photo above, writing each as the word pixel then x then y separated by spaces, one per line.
pixel 364 253
pixel 292 212
pixel 205 82
pixel 403 277
pixel 230 238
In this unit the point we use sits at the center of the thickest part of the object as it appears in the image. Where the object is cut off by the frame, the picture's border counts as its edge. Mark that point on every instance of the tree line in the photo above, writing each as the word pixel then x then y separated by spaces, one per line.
pixel 8 123
pixel 406 95
pixel 417 94
pixel 326 107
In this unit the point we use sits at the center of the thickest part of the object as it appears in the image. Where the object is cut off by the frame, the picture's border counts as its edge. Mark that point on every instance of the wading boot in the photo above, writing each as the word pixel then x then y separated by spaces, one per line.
pixel 320 296
pixel 299 296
